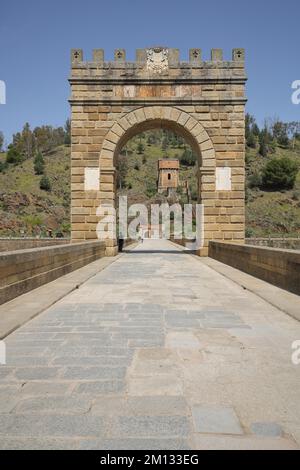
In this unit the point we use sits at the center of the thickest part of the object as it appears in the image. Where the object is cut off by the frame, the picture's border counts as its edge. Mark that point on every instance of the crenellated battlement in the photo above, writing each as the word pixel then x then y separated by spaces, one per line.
pixel 158 65
pixel 159 59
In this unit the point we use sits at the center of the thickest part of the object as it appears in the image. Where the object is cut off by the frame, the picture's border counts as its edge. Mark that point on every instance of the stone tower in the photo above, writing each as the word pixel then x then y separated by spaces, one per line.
pixel 168 175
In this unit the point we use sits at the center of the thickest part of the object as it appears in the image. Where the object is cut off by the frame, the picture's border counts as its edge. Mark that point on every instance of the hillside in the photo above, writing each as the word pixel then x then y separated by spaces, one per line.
pixel 272 213
pixel 26 209
pixel 139 162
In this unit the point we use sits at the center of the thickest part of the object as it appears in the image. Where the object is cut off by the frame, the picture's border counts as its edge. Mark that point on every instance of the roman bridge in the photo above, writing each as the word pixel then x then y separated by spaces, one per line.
pixel 156 347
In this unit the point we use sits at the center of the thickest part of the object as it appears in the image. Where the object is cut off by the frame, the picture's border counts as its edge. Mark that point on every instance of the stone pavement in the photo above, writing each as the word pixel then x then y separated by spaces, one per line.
pixel 157 351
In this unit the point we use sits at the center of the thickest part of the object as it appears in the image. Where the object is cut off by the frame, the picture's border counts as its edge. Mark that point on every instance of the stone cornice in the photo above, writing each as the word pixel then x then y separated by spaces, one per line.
pixel 157 101
pixel 157 81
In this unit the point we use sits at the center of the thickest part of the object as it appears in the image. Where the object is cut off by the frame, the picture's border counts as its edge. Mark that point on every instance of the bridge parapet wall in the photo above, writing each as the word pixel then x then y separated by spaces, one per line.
pixel 278 267
pixel 24 270
pixel 12 244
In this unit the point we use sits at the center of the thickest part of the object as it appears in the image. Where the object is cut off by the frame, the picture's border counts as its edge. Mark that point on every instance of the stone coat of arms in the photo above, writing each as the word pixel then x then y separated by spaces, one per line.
pixel 157 60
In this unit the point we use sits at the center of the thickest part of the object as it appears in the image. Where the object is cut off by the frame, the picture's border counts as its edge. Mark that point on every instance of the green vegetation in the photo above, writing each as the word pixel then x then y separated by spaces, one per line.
pixel 280 173
pixel 25 209
pixel 1 141
pixel 27 143
pixel 138 172
pixel 13 156
pixel 39 164
pixel 45 183
pixel 272 179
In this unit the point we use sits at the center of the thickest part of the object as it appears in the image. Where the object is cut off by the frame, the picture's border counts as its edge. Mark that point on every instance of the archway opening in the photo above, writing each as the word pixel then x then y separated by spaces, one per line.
pixel 157 166
pixel 168 118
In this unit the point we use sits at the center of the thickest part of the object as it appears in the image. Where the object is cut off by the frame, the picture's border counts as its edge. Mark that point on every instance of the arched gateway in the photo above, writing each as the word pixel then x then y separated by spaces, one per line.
pixel 202 101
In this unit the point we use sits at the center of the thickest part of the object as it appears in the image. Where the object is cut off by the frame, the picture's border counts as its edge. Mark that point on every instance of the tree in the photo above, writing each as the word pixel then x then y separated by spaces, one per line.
pixel 164 144
pixel 140 148
pixel 294 131
pixel 13 156
pixel 67 132
pixel 280 173
pixel 48 137
pixel 39 164
pixel 251 130
pixel 251 140
pixel 255 180
pixel 265 142
pixel 45 184
pixel 280 133
pixel 255 130
pixel 188 158
pixel 1 141
pixel 41 139
pixel 122 170
pixel 263 148
pixel 151 139
pixel 151 189
pixel 39 168
pixel 28 141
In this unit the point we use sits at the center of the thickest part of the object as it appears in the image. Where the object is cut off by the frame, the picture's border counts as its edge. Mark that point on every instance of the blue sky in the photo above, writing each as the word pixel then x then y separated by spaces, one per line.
pixel 36 38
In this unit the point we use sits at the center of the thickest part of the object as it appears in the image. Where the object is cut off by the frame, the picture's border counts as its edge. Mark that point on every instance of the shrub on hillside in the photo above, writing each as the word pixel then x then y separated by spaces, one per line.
pixel 67 129
pixel 280 173
pixel 140 148
pixel 1 141
pixel 38 168
pixel 45 184
pixel 251 141
pixel 188 158
pixel 250 232
pixel 39 164
pixel 13 156
pixel 32 221
pixel 255 180
pixel 267 144
pixel 151 189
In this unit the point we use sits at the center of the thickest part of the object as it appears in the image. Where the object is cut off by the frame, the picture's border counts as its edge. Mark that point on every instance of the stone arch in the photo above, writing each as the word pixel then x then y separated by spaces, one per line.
pixel 150 117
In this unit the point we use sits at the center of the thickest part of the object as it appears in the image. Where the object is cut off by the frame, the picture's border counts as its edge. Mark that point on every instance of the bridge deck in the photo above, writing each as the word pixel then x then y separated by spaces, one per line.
pixel 156 351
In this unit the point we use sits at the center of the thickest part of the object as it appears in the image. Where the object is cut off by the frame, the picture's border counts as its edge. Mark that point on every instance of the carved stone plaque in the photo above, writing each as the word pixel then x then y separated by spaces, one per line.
pixel 157 60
